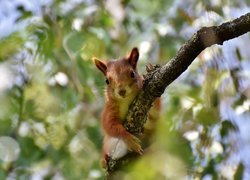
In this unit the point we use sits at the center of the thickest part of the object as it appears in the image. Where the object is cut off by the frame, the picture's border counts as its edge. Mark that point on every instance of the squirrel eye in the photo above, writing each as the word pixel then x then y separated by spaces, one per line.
pixel 132 74
pixel 107 81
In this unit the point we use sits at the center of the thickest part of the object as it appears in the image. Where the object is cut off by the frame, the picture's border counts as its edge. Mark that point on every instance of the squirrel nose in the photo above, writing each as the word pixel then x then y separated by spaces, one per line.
pixel 122 92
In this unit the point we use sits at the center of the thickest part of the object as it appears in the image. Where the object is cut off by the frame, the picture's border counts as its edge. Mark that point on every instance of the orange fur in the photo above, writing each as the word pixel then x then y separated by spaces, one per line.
pixel 123 84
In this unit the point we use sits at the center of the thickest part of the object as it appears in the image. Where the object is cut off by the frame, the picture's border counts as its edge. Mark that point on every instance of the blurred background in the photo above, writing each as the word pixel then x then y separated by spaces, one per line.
pixel 51 94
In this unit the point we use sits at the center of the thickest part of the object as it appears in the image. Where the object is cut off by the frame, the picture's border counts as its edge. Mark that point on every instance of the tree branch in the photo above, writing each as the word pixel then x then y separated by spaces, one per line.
pixel 160 77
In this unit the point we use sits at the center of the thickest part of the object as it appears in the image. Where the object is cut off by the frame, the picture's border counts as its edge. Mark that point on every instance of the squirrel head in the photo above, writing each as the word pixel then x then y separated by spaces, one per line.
pixel 122 78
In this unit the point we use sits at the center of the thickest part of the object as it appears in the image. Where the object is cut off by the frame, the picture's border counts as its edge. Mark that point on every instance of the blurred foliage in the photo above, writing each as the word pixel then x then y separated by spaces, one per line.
pixel 51 94
pixel 10 45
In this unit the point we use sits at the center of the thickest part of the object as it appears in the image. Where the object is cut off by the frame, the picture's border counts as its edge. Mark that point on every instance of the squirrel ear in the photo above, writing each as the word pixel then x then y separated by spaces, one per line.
pixel 101 65
pixel 133 57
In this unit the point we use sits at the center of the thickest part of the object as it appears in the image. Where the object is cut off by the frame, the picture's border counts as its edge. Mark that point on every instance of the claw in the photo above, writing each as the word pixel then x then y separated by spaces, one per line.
pixel 134 143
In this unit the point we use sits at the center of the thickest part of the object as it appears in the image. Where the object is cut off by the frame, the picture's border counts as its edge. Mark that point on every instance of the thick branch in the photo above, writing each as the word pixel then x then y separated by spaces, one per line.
pixel 158 79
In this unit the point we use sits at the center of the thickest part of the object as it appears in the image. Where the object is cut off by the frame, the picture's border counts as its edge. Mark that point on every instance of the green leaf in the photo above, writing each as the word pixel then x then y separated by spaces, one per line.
pixel 6 126
pixel 239 172
pixel 30 153
pixel 226 127
pixel 207 116
pixel 24 13
pixel 73 42
pixel 10 45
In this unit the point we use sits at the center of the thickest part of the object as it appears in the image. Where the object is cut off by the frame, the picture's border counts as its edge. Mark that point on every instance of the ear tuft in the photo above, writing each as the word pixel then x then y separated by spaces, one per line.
pixel 133 57
pixel 101 65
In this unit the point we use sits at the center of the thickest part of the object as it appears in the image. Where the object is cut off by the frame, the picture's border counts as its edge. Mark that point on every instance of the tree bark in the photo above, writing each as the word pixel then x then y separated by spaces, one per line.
pixel 157 80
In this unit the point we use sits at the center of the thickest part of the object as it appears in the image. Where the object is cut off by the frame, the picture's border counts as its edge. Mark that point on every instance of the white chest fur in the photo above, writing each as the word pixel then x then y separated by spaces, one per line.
pixel 116 147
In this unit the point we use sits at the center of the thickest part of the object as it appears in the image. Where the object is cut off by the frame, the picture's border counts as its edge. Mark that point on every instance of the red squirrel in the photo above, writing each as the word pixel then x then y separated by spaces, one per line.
pixel 123 85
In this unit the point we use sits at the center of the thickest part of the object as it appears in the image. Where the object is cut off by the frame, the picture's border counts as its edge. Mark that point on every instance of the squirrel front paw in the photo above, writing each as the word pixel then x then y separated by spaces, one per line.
pixel 133 143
